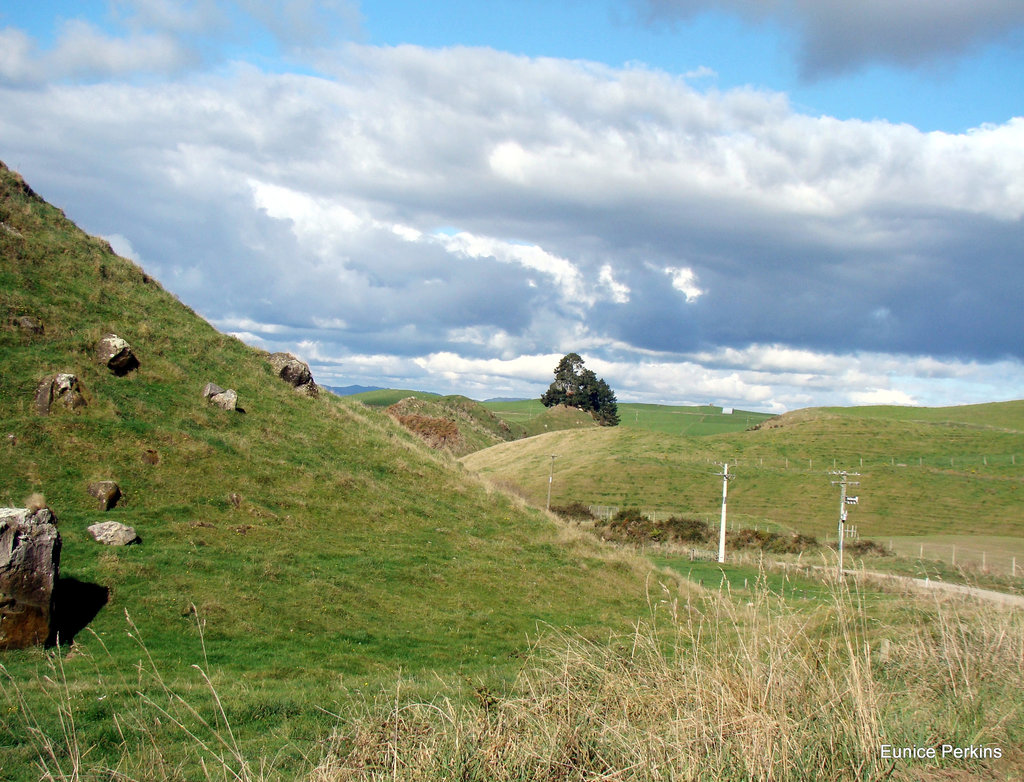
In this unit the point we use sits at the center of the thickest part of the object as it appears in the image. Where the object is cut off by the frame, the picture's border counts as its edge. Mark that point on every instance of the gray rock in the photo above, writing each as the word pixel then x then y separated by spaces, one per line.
pixel 29 570
pixel 27 324
pixel 226 399
pixel 294 372
pixel 113 533
pixel 63 389
pixel 116 354
pixel 107 492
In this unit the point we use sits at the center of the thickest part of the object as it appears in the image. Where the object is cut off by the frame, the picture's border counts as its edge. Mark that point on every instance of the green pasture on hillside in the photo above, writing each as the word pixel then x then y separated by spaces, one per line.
pixel 696 421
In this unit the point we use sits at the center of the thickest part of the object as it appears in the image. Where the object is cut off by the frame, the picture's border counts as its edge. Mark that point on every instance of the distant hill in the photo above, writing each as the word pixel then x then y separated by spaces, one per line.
pixel 351 390
pixel 321 547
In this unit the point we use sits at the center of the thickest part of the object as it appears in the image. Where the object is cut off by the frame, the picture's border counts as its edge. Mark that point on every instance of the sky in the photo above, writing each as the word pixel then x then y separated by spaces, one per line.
pixel 760 204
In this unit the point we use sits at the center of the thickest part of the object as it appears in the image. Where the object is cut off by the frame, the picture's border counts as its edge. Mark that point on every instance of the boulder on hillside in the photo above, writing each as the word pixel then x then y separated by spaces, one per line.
pixel 113 533
pixel 116 355
pixel 29 569
pixel 224 398
pixel 294 372
pixel 107 492
pixel 27 325
pixel 63 389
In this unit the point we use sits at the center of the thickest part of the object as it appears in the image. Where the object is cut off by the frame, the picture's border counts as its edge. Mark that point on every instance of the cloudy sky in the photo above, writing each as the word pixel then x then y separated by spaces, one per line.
pixel 767 204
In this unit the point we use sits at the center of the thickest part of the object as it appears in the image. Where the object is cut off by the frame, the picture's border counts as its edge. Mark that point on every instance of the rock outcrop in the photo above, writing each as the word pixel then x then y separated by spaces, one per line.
pixel 62 389
pixel 29 569
pixel 26 324
pixel 294 372
pixel 116 355
pixel 107 492
pixel 114 533
pixel 224 398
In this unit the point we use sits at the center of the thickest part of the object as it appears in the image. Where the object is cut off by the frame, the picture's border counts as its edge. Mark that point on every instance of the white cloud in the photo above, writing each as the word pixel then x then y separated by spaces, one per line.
pixel 685 281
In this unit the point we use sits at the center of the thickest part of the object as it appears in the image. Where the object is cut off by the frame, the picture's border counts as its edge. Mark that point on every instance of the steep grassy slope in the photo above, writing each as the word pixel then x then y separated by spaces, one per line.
pixel 455 424
pixel 918 477
pixel 322 548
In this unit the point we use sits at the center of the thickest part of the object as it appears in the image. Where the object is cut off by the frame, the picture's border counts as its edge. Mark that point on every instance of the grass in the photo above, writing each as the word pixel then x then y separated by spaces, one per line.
pixel 709 688
pixel 695 421
pixel 782 475
pixel 750 679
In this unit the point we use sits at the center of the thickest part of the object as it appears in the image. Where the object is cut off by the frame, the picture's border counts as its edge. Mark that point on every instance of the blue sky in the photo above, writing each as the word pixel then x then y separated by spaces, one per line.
pixel 766 204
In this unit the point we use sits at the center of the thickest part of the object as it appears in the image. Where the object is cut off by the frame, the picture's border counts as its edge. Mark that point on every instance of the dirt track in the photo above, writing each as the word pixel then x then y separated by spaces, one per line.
pixel 925 584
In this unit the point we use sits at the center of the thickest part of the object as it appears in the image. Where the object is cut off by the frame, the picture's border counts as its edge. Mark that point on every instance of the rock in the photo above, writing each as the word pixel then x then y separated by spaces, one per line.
pixel 116 354
pixel 63 388
pixel 114 533
pixel 29 569
pixel 27 324
pixel 294 372
pixel 107 492
pixel 226 399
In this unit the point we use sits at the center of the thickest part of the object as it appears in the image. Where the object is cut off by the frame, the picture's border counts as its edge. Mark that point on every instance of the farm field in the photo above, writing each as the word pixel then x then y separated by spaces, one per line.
pixel 916 478
pixel 670 419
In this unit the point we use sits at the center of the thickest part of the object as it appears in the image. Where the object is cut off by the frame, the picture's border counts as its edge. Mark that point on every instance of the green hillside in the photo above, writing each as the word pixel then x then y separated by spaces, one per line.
pixel 305 552
pixel 697 421
pixel 919 477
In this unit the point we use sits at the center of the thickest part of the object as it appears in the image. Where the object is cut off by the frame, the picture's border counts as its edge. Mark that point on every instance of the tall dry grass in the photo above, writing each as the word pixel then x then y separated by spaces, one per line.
pixel 718 690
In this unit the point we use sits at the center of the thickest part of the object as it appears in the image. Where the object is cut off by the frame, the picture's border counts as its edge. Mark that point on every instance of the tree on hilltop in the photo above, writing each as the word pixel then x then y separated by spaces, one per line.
pixel 577 386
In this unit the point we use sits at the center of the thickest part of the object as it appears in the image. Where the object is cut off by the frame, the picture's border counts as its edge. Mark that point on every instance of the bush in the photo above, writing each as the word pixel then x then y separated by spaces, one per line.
pixel 574 511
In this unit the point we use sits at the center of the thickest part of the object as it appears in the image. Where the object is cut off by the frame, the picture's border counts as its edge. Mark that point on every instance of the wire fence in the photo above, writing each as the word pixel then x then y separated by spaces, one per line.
pixel 950 462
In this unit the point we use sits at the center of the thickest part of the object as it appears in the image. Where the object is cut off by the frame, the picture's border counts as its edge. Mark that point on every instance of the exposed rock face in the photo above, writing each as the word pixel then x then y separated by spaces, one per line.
pixel 116 354
pixel 114 533
pixel 62 389
pixel 294 372
pixel 226 399
pixel 29 569
pixel 107 492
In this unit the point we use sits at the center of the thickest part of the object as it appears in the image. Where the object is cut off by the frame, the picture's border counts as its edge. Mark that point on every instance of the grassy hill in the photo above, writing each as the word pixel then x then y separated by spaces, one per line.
pixel 697 421
pixel 922 472
pixel 455 424
pixel 306 551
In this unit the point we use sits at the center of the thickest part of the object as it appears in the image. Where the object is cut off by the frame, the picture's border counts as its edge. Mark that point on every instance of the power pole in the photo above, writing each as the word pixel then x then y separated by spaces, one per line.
pixel 551 478
pixel 843 482
pixel 724 475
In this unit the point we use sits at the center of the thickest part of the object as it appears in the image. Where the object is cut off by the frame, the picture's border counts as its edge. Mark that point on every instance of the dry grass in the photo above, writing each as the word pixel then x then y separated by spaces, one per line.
pixel 715 690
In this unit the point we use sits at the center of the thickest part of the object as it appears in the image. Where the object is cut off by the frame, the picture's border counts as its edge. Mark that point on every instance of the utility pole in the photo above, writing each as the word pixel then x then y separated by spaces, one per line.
pixel 551 478
pixel 724 475
pixel 843 482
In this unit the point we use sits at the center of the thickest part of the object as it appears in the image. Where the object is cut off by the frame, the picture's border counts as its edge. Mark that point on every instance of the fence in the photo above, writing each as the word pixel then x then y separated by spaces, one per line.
pixel 950 462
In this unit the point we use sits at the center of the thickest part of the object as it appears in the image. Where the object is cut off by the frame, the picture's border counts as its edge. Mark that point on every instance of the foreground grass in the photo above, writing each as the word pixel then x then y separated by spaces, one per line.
pixel 711 685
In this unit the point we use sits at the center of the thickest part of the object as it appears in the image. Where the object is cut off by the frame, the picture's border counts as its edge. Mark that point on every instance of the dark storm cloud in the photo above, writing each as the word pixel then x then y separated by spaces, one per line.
pixel 837 35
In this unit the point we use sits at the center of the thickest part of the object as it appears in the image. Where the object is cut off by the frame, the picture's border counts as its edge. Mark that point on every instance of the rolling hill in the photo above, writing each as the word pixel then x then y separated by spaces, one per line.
pixel 302 551
pixel 923 472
